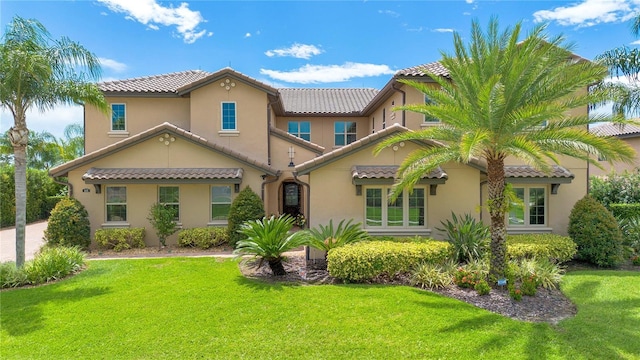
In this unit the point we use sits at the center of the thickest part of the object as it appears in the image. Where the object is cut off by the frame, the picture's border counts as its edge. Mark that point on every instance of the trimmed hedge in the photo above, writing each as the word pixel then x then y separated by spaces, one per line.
pixel 366 260
pixel 556 248
pixel 246 206
pixel 120 238
pixel 203 238
pixel 68 225
pixel 625 211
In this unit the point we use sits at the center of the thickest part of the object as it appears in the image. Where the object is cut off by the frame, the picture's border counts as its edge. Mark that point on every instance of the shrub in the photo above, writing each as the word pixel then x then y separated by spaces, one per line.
pixel 554 247
pixel 68 225
pixel 121 238
pixel 430 276
pixel 11 276
pixel 246 206
pixel 327 237
pixel 162 218
pixel 364 261
pixel 514 292
pixel 469 238
pixel 482 287
pixel 630 228
pixel 625 211
pixel 467 278
pixel 268 239
pixel 529 285
pixel 616 188
pixel 203 238
pixel 635 260
pixel 596 232
pixel 547 274
pixel 53 263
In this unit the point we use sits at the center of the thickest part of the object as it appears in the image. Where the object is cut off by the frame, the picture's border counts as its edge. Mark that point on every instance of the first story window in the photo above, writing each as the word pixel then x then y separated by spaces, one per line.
pixel 169 196
pixel 344 132
pixel 407 211
pixel 429 118
pixel 229 116
pixel 220 202
pixel 301 129
pixel 118 117
pixel 116 201
pixel 531 208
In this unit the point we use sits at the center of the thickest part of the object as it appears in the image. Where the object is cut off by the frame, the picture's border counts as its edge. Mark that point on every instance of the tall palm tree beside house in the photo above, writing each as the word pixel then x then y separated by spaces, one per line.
pixel 72 144
pixel 39 72
pixel 506 98
pixel 44 150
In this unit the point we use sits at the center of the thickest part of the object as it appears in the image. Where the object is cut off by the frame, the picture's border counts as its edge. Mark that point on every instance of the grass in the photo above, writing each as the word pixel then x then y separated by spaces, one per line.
pixel 204 308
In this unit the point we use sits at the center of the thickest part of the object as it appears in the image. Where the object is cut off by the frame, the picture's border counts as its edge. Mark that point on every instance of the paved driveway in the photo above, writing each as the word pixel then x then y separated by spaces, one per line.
pixel 33 241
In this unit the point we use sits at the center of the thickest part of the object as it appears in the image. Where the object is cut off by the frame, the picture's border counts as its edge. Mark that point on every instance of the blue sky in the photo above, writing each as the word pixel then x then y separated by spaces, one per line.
pixel 297 43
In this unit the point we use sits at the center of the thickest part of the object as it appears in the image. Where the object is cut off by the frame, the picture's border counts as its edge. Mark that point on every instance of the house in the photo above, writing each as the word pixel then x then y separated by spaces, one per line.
pixel 628 133
pixel 194 139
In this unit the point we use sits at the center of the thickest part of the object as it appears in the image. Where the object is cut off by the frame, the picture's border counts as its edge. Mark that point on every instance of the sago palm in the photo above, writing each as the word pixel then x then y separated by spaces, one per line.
pixel 507 98
pixel 38 72
pixel 268 239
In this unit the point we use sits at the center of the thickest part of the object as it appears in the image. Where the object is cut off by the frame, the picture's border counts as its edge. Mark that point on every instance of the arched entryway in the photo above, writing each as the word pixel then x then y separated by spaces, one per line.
pixel 291 198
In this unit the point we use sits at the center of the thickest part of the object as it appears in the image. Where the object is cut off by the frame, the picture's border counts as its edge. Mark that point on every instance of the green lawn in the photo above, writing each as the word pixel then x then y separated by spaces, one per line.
pixel 202 308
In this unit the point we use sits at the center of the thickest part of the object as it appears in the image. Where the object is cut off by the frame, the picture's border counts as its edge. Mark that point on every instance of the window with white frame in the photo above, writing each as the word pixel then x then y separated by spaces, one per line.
pixel 229 120
pixel 118 117
pixel 116 203
pixel 531 208
pixel 344 132
pixel 408 210
pixel 301 129
pixel 220 202
pixel 169 196
pixel 428 118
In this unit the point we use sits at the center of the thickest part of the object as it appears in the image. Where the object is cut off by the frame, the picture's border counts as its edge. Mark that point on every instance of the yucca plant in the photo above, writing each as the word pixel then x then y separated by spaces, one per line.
pixel 268 239
pixel 327 237
pixel 469 238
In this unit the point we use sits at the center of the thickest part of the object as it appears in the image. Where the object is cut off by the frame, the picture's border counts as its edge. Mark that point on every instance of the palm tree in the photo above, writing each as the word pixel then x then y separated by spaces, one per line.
pixel 72 145
pixel 506 99
pixel 39 72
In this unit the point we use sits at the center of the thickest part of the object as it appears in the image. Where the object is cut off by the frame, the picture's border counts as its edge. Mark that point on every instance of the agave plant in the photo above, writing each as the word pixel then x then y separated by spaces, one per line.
pixel 268 239
pixel 469 238
pixel 327 237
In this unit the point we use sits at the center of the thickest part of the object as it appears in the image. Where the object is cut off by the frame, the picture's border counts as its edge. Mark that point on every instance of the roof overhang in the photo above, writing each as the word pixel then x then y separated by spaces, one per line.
pixel 386 175
pixel 163 175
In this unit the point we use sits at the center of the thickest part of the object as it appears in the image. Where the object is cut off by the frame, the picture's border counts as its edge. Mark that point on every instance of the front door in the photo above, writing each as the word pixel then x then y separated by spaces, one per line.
pixel 291 198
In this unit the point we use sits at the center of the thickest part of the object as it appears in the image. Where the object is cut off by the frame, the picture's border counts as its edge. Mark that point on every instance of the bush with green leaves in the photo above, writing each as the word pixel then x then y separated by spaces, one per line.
pixel 616 188
pixel 469 238
pixel 554 247
pixel 596 232
pixel 546 273
pixel 268 239
pixel 163 220
pixel 625 211
pixel 630 228
pixel 246 206
pixel 430 276
pixel 119 239
pixel 203 238
pixel 12 276
pixel 364 261
pixel 49 264
pixel 68 225
pixel 329 237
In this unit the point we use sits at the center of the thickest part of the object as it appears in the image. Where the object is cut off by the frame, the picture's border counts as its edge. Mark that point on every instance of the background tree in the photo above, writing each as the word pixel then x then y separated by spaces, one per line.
pixel 506 99
pixel 37 71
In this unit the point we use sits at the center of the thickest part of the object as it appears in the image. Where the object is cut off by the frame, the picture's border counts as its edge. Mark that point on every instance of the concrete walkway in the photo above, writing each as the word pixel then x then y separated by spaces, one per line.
pixel 33 241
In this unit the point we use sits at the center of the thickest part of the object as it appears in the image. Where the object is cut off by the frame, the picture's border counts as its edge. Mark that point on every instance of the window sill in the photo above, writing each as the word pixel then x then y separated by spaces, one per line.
pixel 401 231
pixel 115 225
pixel 118 134
pixel 218 223
pixel 518 230
pixel 229 133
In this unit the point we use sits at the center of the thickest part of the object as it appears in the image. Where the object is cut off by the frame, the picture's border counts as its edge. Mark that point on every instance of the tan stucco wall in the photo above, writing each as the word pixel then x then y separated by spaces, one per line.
pixel 322 128
pixel 141 114
pixel 619 167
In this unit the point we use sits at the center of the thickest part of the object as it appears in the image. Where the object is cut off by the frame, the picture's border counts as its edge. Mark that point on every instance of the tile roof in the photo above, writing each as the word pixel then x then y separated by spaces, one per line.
pixel 526 171
pixel 326 101
pixel 294 139
pixel 165 83
pixel 62 170
pixel 106 174
pixel 611 129
pixel 389 172
pixel 420 70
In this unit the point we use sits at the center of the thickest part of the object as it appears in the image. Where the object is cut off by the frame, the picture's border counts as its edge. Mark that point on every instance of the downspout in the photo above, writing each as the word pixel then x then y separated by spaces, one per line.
pixel 404 101
pixel 68 185
pixel 266 182
pixel 269 131
pixel 307 206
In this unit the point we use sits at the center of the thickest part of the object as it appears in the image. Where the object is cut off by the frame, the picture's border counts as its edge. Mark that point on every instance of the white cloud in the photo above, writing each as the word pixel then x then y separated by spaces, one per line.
pixel 469 1
pixel 590 12
pixel 112 64
pixel 247 35
pixel 443 30
pixel 300 51
pixel 389 12
pixel 53 121
pixel 637 42
pixel 313 74
pixel 152 14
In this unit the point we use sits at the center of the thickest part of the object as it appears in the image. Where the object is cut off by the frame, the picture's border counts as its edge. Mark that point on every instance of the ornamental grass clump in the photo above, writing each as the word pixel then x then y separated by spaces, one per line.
pixel 468 237
pixel 430 276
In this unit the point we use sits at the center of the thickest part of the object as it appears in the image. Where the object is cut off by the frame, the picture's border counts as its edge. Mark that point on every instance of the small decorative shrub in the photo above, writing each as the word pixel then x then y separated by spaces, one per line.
pixel 466 278
pixel 482 287
pixel 246 206
pixel 68 225
pixel 430 276
pixel 364 261
pixel 515 293
pixel 554 247
pixel 594 229
pixel 547 274
pixel 11 276
pixel 203 238
pixel 635 260
pixel 630 228
pixel 162 218
pixel 469 238
pixel 529 285
pixel 121 238
pixel 53 263
pixel 327 237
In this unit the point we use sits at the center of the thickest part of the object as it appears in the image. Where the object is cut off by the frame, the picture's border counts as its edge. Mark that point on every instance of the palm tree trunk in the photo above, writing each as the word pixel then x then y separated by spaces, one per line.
pixel 497 206
pixel 276 267
pixel 19 139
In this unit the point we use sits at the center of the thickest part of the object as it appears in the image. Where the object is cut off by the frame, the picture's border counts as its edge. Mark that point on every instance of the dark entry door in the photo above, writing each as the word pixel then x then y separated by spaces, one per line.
pixel 291 198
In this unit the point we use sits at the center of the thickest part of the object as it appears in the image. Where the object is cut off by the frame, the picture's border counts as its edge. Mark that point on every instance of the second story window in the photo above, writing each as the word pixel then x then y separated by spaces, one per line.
pixel 118 117
pixel 229 116
pixel 427 118
pixel 345 132
pixel 301 129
